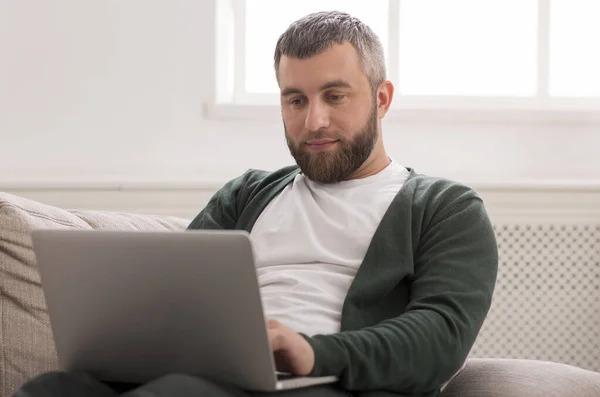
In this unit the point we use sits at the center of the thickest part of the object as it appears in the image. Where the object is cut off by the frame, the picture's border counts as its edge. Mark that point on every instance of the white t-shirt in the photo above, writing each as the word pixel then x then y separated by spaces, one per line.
pixel 310 241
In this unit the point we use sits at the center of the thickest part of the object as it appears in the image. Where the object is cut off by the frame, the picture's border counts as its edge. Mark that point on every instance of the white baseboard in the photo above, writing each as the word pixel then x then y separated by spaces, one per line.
pixel 542 203
pixel 533 203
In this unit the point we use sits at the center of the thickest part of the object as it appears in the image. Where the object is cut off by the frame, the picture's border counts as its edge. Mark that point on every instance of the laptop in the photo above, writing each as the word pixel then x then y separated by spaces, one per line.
pixel 131 306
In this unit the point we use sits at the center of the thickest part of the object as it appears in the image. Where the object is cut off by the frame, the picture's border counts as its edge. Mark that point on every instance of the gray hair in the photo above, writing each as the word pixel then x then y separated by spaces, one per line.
pixel 316 32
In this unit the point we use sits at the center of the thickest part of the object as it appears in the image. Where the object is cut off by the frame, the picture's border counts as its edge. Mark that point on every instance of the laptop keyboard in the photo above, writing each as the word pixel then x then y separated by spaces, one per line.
pixel 284 376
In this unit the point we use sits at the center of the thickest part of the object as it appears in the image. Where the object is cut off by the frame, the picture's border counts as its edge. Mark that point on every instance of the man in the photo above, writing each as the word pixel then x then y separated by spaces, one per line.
pixel 368 271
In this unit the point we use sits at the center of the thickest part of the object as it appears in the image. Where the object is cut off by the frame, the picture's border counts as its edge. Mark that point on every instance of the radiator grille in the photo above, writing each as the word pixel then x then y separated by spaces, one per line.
pixel 547 300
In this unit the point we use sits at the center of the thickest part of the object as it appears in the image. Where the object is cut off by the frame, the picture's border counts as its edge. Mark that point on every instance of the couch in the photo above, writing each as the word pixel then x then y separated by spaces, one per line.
pixel 27 348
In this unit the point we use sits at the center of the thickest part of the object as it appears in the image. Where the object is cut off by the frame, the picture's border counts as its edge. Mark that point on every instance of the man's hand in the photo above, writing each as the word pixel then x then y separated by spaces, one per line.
pixel 293 354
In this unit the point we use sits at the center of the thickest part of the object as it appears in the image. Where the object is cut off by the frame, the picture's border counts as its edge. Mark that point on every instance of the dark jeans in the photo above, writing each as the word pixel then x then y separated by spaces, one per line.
pixel 61 384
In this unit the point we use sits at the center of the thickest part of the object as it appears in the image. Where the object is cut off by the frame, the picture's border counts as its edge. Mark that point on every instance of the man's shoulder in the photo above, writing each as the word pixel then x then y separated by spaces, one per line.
pixel 254 177
pixel 257 182
pixel 258 175
pixel 434 199
pixel 229 202
pixel 432 190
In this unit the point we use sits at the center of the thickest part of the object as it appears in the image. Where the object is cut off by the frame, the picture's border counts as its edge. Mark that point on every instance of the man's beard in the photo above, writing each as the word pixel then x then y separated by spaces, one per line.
pixel 336 165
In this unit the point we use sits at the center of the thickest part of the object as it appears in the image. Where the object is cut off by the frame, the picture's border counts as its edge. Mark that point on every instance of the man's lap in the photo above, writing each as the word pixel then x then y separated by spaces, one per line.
pixel 75 385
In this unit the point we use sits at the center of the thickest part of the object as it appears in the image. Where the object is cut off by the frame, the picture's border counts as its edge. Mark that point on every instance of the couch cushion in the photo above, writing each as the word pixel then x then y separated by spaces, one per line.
pixel 519 378
pixel 26 343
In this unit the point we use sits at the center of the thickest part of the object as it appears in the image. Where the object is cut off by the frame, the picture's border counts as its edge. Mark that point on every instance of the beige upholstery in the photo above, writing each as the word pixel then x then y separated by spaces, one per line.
pixel 522 378
pixel 26 343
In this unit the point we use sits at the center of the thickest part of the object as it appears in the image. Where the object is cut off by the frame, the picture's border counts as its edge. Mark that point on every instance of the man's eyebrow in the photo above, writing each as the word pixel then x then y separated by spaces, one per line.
pixel 330 84
pixel 290 90
pixel 335 84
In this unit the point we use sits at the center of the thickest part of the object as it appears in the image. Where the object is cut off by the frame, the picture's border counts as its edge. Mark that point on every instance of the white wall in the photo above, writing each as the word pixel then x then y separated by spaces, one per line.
pixel 114 91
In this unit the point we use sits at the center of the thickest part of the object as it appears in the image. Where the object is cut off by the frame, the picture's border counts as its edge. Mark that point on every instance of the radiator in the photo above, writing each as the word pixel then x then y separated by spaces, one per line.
pixel 546 304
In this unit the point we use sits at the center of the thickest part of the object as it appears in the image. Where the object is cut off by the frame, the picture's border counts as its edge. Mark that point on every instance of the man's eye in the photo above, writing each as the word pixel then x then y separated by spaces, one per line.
pixel 296 101
pixel 336 97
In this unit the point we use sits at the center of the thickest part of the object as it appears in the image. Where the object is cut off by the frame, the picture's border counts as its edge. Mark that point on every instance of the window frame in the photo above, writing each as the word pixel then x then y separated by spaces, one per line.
pixel 232 101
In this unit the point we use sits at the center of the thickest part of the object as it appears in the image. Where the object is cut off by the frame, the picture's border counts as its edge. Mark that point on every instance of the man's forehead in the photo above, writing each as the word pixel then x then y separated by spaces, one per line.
pixel 335 64
pixel 334 55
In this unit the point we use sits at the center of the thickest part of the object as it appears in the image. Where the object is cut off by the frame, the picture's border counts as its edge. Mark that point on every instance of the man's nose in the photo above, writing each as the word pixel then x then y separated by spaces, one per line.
pixel 317 117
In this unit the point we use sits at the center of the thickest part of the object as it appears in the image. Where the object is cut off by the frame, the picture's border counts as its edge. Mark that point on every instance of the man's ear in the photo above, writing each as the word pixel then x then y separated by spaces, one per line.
pixel 385 93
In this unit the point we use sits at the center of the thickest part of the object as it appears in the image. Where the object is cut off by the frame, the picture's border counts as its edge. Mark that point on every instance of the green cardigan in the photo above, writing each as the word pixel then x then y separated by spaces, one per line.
pixel 420 295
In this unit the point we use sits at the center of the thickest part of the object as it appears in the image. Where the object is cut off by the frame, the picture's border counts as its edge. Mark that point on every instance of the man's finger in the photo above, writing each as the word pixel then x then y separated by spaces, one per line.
pixel 272 323
pixel 276 338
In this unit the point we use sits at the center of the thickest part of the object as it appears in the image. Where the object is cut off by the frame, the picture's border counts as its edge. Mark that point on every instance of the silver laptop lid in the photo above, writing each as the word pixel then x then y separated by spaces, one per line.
pixel 133 306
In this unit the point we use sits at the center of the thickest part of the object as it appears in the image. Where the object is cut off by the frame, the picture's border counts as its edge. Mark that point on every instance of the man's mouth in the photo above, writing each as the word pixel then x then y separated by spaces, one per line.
pixel 321 144
pixel 321 141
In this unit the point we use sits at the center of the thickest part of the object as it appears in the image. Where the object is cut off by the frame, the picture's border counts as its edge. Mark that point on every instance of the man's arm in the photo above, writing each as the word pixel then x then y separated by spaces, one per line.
pixel 451 291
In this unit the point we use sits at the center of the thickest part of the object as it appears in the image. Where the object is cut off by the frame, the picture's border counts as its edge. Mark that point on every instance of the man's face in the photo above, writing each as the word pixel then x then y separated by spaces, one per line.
pixel 329 113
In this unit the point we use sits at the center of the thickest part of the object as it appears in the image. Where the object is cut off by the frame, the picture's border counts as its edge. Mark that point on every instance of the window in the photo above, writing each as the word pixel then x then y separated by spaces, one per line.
pixel 495 53
pixel 464 47
pixel 574 42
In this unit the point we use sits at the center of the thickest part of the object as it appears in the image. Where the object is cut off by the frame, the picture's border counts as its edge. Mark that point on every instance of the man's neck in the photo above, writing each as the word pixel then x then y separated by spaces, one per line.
pixel 371 167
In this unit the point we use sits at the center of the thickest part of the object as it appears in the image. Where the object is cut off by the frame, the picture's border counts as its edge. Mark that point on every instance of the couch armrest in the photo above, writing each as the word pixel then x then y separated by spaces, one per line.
pixel 519 378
